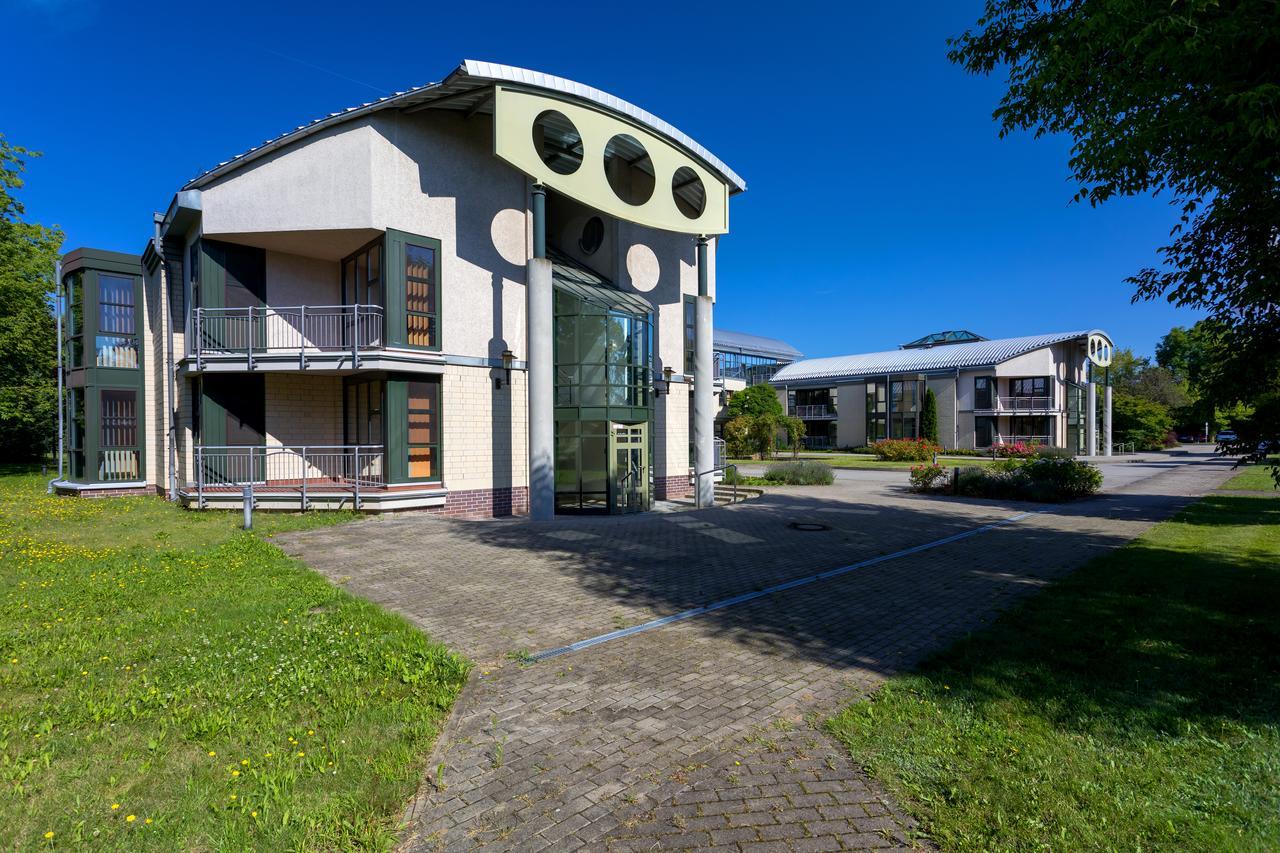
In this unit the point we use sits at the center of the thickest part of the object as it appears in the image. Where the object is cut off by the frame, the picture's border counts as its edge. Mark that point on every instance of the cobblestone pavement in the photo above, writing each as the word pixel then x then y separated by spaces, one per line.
pixel 700 733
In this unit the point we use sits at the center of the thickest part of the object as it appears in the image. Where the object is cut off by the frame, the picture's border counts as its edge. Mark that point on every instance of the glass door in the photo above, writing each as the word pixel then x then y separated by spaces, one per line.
pixel 628 467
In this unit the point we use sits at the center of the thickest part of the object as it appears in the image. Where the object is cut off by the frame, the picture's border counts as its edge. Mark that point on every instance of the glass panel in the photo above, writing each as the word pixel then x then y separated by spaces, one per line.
pixel 116 352
pixel 423 429
pixel 420 294
pixel 119 418
pixel 115 304
pixel 422 462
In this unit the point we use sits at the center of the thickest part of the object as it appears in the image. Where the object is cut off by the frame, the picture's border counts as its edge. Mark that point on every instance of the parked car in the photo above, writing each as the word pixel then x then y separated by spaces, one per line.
pixel 1268 446
pixel 1226 435
pixel 1187 438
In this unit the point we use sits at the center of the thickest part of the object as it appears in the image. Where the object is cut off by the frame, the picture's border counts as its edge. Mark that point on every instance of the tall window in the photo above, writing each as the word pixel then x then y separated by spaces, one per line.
pixel 982 392
pixel 118 457
pixel 983 429
pixel 1031 386
pixel 75 430
pixel 363 418
pixel 904 408
pixel 75 321
pixel 424 430
pixel 877 412
pixel 422 296
pixel 362 276
pixel 690 332
pixel 117 342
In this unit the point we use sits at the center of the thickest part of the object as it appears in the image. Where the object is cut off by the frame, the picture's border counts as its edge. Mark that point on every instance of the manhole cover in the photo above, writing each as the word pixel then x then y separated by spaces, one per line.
pixel 807 526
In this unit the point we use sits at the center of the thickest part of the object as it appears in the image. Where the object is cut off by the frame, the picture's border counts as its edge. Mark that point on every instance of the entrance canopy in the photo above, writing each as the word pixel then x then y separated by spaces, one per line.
pixel 571 277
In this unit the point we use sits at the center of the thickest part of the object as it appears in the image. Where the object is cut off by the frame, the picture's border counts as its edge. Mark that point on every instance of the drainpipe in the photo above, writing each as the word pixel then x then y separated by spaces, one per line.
pixel 58 305
pixel 172 413
pixel 955 413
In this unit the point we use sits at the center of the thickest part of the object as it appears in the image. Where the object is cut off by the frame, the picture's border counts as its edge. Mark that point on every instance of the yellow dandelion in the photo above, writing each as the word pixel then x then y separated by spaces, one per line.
pixel 148 820
pixel 213 754
pixel 266 755
pixel 130 818
pixel 301 753
pixel 115 806
pixel 253 814
pixel 233 796
pixel 245 762
pixel 49 834
pixel 13 660
pixel 310 731
pixel 235 772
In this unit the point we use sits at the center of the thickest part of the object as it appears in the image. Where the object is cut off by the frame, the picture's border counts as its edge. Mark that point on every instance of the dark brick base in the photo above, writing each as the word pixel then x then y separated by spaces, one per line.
pixel 666 488
pixel 485 503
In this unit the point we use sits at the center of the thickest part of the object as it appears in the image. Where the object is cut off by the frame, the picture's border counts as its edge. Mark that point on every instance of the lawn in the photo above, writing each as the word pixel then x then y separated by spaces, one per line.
pixel 1135 705
pixel 1253 478
pixel 867 462
pixel 168 681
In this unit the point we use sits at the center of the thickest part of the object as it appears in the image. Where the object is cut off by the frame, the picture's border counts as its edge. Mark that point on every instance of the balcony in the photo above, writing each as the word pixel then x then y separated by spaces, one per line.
pixel 818 412
pixel 296 337
pixel 302 477
pixel 1018 406
pixel 1022 439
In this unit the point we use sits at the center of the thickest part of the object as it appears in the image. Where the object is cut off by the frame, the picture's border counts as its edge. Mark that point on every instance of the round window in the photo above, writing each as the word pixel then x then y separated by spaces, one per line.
pixel 629 169
pixel 592 236
pixel 558 142
pixel 689 193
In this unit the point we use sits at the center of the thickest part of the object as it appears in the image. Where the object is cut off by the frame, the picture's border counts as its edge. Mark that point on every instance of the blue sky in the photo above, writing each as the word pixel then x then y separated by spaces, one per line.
pixel 881 203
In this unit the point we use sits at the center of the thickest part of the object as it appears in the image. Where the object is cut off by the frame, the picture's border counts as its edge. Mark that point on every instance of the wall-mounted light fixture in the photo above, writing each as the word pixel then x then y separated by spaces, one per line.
pixel 665 385
pixel 507 358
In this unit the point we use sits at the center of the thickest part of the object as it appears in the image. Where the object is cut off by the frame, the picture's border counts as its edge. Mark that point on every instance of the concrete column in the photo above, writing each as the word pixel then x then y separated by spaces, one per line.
pixel 1091 419
pixel 1106 419
pixel 541 390
pixel 704 411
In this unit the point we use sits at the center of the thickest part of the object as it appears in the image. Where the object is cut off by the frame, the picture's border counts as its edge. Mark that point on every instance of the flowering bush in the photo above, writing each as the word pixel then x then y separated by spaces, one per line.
pixel 905 449
pixel 925 478
pixel 1017 450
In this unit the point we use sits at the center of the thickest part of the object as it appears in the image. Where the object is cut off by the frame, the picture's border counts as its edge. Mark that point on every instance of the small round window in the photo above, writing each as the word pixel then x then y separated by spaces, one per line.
pixel 592 236
pixel 689 193
pixel 629 169
pixel 558 142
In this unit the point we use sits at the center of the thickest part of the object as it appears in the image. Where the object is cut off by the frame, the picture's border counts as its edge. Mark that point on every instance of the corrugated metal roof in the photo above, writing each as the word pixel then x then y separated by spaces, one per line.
pixel 979 354
pixel 724 340
pixel 467 88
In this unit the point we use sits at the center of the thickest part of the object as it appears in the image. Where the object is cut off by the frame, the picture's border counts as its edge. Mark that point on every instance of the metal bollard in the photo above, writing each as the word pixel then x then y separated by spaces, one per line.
pixel 248 507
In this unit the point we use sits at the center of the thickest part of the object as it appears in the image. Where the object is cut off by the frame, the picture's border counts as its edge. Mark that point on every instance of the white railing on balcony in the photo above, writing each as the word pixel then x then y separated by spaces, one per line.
pixel 301 469
pixel 286 329
pixel 1018 404
pixel 814 412
pixel 1022 439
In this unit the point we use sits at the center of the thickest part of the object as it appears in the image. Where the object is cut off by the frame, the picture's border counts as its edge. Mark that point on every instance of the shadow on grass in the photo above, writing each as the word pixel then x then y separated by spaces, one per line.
pixel 1136 703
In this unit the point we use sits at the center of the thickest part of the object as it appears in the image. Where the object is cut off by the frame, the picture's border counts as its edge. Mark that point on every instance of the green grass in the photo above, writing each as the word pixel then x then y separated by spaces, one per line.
pixel 1253 478
pixel 1133 706
pixel 163 664
pixel 870 463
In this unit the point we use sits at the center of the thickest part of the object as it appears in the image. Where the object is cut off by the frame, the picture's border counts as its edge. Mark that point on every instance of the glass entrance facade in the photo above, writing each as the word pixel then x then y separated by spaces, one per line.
pixel 603 363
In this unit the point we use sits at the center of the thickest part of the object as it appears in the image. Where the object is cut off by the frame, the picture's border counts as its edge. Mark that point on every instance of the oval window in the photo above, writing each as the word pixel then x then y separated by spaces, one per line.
pixel 558 142
pixel 689 193
pixel 592 236
pixel 628 168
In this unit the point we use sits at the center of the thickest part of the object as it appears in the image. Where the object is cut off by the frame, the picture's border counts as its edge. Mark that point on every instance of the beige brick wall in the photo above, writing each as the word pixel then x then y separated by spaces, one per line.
pixel 671 432
pixel 485 429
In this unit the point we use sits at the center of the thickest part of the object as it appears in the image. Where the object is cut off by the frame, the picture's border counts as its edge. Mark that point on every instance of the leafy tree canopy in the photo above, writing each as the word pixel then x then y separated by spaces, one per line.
pixel 756 401
pixel 27 372
pixel 1156 96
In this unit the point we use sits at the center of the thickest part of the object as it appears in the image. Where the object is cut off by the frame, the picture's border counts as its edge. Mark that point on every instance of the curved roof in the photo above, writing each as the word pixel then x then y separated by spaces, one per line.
pixel 724 340
pixel 976 354
pixel 468 87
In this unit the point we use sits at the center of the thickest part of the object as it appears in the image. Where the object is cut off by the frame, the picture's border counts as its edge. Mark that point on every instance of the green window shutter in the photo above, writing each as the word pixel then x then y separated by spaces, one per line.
pixel 213 276
pixel 397 427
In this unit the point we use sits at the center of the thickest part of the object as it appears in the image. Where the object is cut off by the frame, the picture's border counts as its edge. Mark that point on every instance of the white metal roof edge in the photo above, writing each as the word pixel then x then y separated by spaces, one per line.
pixel 483 71
pixel 944 357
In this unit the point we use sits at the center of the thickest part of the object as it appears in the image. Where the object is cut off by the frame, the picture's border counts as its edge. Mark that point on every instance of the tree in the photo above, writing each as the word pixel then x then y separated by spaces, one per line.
pixel 756 400
pixel 28 404
pixel 1181 98
pixel 1142 422
pixel 929 416
pixel 795 433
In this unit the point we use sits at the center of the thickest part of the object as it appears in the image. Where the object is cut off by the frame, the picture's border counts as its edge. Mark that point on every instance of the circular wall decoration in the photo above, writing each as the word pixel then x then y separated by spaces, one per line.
pixel 558 142
pixel 629 169
pixel 689 193
pixel 592 236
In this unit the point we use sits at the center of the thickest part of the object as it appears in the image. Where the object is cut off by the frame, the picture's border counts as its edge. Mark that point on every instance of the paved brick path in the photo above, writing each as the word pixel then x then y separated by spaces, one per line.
pixel 699 734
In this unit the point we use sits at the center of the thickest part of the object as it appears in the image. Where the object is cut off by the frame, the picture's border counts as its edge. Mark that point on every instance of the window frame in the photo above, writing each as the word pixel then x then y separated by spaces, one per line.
pixel 689 305
pixel 402 270
pixel 437 444
pixel 105 430
pixel 101 333
pixel 989 391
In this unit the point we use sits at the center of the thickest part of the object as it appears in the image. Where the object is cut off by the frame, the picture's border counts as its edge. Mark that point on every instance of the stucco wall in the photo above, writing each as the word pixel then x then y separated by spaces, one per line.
pixel 944 388
pixel 851 416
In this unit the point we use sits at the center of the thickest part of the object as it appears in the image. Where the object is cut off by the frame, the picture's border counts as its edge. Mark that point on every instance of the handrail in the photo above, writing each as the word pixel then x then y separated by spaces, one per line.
pixel 280 466
pixel 286 328
pixel 698 476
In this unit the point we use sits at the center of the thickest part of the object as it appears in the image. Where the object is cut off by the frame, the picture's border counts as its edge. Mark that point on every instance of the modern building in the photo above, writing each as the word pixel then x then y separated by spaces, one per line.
pixel 1037 389
pixel 470 297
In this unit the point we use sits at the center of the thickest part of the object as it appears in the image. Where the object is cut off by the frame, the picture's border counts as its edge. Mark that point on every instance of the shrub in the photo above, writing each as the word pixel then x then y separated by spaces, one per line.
pixel 1142 422
pixel 1017 450
pixel 929 416
pixel 1048 450
pixel 905 449
pixel 1047 478
pixel 926 478
pixel 802 472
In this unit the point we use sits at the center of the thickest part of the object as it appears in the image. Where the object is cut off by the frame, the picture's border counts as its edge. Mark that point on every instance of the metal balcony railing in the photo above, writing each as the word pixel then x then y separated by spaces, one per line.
pixel 300 469
pixel 272 329
pixel 1018 404
pixel 1022 439
pixel 815 412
